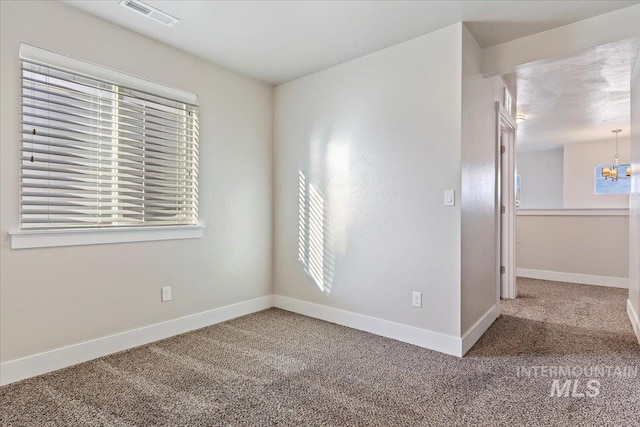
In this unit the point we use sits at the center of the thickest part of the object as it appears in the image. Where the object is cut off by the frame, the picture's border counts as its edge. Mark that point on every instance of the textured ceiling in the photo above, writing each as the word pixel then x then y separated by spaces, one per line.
pixel 277 41
pixel 576 98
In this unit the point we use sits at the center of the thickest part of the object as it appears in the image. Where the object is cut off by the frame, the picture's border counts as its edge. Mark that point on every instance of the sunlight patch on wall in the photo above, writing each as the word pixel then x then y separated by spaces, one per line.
pixel 339 190
pixel 314 240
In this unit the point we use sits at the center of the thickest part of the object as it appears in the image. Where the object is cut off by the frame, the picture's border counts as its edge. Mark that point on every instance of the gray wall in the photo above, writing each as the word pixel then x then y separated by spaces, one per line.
pixel 380 138
pixel 580 161
pixel 478 201
pixel 541 178
pixel 50 298
pixel 593 245
pixel 564 179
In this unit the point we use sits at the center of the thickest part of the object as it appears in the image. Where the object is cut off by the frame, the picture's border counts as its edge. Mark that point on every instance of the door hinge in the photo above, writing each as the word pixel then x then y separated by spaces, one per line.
pixel 503 149
pixel 502 269
pixel 503 209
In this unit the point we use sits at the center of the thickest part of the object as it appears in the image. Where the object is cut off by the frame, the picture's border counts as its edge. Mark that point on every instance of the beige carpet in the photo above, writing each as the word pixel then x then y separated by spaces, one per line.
pixel 279 368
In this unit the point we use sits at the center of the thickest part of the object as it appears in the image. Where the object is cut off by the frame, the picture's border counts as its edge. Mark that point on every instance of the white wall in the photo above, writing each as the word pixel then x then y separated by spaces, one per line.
pixel 580 161
pixel 478 197
pixel 541 178
pixel 634 200
pixel 380 138
pixel 56 297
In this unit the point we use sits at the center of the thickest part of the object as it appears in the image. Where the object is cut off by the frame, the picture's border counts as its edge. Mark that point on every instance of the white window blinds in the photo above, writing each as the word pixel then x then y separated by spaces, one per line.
pixel 97 153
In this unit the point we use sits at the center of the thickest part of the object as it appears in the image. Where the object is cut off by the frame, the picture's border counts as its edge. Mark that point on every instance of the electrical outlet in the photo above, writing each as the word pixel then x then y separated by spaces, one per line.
pixel 416 301
pixel 166 294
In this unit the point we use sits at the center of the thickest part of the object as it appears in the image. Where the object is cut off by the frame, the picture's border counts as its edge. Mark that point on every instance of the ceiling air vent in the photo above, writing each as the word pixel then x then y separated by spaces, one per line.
pixel 150 12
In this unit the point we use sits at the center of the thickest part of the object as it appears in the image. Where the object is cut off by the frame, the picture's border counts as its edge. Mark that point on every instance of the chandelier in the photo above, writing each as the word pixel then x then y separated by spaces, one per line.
pixel 612 173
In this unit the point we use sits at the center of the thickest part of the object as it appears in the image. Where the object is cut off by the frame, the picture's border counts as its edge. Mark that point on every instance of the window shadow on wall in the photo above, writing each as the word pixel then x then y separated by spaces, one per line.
pixel 315 240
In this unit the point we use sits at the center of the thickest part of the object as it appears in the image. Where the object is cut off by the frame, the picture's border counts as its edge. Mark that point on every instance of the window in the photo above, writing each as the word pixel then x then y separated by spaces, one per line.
pixel 611 180
pixel 101 149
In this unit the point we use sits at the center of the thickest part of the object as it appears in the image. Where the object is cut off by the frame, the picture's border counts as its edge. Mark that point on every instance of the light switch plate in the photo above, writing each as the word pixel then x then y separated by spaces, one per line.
pixel 166 294
pixel 449 197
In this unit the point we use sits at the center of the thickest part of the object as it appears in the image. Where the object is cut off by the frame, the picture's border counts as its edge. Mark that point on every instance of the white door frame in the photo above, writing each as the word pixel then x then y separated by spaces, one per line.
pixel 505 196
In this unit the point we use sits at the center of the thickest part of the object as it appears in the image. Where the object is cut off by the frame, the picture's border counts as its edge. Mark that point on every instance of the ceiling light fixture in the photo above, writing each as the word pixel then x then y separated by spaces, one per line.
pixel 519 118
pixel 612 172
pixel 150 12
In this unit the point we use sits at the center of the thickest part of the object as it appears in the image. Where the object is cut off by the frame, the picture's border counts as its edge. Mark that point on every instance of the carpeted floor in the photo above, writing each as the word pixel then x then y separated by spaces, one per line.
pixel 279 368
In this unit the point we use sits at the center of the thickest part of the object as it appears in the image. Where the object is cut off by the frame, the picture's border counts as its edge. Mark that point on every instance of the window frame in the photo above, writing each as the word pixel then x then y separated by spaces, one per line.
pixel 95 234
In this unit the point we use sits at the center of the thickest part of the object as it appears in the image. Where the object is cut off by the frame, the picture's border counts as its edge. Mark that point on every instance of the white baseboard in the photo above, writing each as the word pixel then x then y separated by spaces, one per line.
pixel 475 332
pixel 30 366
pixel 635 320
pixel 410 334
pixel 584 279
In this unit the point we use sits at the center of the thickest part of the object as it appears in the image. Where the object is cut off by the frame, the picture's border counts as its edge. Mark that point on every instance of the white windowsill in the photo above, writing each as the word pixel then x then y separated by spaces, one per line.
pixel 573 212
pixel 23 239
